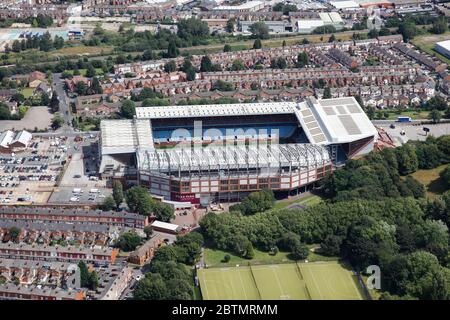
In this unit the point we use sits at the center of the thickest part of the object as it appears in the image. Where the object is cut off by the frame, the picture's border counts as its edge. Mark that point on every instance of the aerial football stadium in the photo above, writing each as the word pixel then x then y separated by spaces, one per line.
pixel 204 153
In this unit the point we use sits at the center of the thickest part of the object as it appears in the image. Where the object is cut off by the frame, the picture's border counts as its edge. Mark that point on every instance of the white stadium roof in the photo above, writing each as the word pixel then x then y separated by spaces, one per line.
pixel 330 121
pixel 325 122
pixel 125 136
pixel 221 157
pixel 214 110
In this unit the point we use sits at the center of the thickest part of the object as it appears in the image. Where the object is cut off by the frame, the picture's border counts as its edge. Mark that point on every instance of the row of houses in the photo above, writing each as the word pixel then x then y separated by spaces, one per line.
pixel 28 272
pixel 417 92
pixel 40 214
pixel 103 256
pixel 252 57
pixel 57 232
pixel 25 10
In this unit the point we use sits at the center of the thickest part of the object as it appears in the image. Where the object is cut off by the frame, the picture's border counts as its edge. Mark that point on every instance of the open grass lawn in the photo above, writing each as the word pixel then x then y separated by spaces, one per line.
pixel 27 92
pixel 422 114
pixel 280 282
pixel 98 71
pixel 308 200
pixel 330 281
pixel 430 178
pixel 302 281
pixel 214 257
pixel 427 41
pixel 228 284
pixel 81 50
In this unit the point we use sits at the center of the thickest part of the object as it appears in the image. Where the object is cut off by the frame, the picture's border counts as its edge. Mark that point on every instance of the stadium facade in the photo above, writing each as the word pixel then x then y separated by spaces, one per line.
pixel 223 152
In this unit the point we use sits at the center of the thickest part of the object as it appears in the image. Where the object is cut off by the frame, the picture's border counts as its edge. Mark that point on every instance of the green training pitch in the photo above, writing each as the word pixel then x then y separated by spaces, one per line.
pixel 228 284
pixel 302 281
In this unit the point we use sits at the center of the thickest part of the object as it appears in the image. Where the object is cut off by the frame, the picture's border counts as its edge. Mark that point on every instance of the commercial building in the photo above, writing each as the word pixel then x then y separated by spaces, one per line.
pixel 224 152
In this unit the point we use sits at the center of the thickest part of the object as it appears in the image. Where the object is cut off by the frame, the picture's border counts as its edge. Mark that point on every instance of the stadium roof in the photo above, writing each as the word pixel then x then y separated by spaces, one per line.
pixel 222 157
pixel 215 110
pixel 330 121
pixel 125 136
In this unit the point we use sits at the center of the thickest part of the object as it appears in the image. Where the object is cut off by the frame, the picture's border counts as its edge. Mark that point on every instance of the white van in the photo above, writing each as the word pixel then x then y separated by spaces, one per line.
pixel 94 191
pixel 93 178
pixel 77 190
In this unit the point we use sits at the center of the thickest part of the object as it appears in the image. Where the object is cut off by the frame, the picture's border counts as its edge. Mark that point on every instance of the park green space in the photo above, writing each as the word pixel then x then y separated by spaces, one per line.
pixel 294 281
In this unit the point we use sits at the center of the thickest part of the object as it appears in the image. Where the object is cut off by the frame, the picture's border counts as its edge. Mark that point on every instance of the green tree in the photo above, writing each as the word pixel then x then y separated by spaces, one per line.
pixel 407 159
pixel 148 230
pixel 408 30
pixel 90 71
pixel 302 60
pixel 108 204
pixel 128 241
pixel 14 233
pixel 152 287
pixel 117 192
pixel 230 25
pixel 128 109
pixel 435 116
pixel 170 66
pixel 445 175
pixel 370 241
pixel 80 88
pixel 54 102
pixel 439 26
pixel 257 44
pixel 96 88
pixel 259 30
pixel 57 121
pixel 139 200
pixel 237 65
pixel 227 48
pixel 249 252
pixel 205 64
pixel 299 251
pixel 172 50
pixel 327 93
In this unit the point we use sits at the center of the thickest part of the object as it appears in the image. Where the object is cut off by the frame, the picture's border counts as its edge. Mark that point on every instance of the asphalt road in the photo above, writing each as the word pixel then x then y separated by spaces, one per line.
pixel 64 108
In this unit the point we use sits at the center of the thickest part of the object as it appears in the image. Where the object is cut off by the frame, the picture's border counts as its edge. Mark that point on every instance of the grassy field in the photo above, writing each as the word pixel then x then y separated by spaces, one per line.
pixel 430 178
pixel 214 257
pixel 98 71
pixel 270 43
pixel 302 281
pixel 82 50
pixel 427 41
pixel 422 114
pixel 308 200
pixel 280 282
pixel 228 284
pixel 27 92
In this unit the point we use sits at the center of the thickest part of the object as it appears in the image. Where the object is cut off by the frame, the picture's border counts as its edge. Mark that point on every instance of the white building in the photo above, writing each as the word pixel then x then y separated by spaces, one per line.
pixel 443 48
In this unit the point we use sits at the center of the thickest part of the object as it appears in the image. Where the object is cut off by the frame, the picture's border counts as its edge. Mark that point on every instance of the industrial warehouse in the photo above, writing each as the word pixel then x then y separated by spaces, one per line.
pixel 200 154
